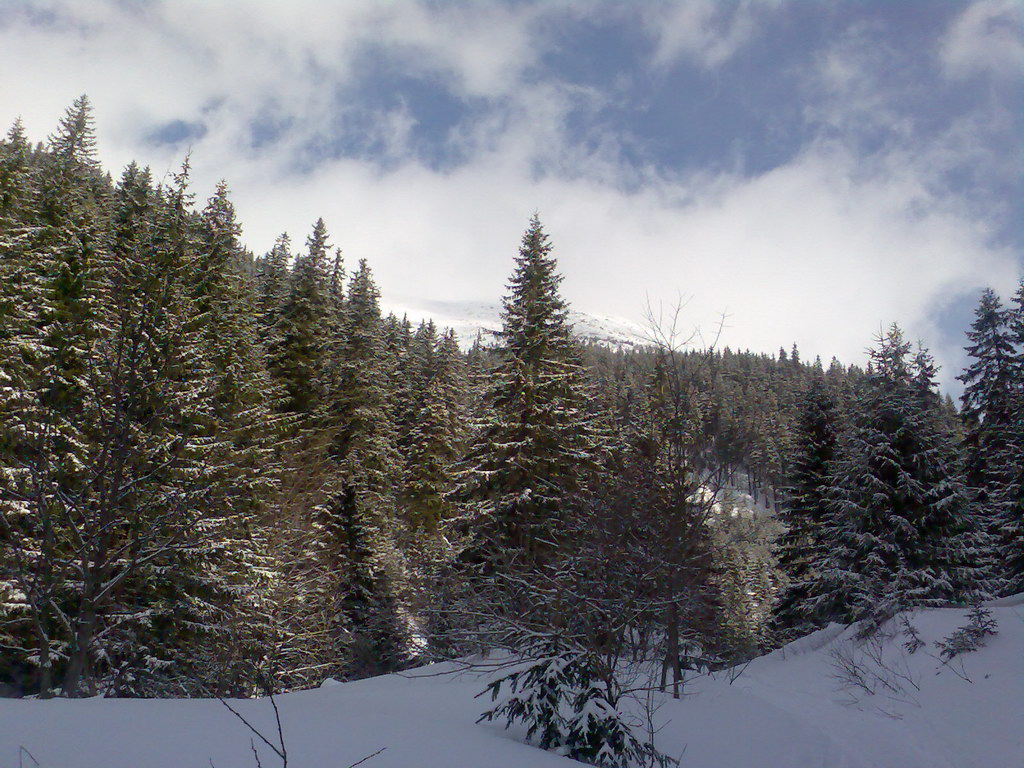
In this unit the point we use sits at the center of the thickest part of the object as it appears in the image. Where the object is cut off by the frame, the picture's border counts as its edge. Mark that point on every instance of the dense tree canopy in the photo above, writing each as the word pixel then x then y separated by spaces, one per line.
pixel 225 473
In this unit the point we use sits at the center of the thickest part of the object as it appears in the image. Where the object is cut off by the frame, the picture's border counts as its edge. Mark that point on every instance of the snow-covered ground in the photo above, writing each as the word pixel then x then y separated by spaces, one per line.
pixel 468 318
pixel 790 709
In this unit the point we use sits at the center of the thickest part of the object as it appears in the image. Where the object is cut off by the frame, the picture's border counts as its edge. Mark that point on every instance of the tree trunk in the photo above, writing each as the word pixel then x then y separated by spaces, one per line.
pixel 79 657
pixel 673 648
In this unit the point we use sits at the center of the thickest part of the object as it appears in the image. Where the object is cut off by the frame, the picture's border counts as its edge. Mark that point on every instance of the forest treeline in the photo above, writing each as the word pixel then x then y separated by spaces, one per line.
pixel 223 473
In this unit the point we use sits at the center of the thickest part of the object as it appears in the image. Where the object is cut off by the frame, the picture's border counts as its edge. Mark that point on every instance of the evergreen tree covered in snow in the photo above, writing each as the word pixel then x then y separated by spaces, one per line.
pixel 178 472
pixel 899 529
pixel 988 403
pixel 57 230
pixel 359 516
pixel 357 405
pixel 18 180
pixel 1011 467
pixel 568 708
pixel 132 470
pixel 399 340
pixel 151 384
pixel 438 428
pixel 990 411
pixel 228 565
pixel 803 510
pixel 297 357
pixel 23 588
pixel 370 631
pixel 534 451
pixel 272 273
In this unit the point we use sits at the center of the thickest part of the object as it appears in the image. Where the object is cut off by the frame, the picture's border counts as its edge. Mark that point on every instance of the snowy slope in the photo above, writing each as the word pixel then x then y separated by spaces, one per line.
pixel 468 318
pixel 795 708
pixel 428 721
pixel 786 710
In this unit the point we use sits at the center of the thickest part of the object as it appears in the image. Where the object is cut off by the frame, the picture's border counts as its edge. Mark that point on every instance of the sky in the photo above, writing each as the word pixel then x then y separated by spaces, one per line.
pixel 794 171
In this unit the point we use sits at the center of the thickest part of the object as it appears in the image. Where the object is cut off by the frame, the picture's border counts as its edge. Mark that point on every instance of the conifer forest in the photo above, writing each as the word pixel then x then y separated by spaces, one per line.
pixel 226 473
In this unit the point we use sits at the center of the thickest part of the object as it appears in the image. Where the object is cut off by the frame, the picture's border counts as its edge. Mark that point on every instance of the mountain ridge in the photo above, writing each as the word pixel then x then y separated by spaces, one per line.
pixel 472 318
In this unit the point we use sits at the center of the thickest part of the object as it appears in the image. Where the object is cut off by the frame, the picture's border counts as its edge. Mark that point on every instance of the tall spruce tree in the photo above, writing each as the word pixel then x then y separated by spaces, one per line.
pixel 149 386
pixel 437 433
pixel 1011 528
pixel 20 282
pixel 298 358
pixel 272 278
pixel 360 514
pixel 18 178
pixel 990 406
pixel 224 584
pixel 72 203
pixel 358 400
pixel 803 508
pixel 991 381
pixel 899 530
pixel 336 287
pixel 59 237
pixel 532 454
pixel 17 187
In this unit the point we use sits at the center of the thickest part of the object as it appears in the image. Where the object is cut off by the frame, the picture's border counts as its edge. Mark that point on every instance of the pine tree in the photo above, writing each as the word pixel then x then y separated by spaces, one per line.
pixel 990 381
pixel 17 319
pixel 272 279
pixel 48 345
pixel 360 515
pixel 224 583
pixel 532 456
pixel 70 244
pixel 1011 528
pixel 96 529
pixel 161 399
pixel 438 433
pixel 226 299
pixel 990 414
pixel 358 397
pixel 336 285
pixel 398 345
pixel 304 324
pixel 144 426
pixel 301 329
pixel 368 617
pixel 17 178
pixel 801 548
pixel 134 456
pixel 899 530
pixel 21 285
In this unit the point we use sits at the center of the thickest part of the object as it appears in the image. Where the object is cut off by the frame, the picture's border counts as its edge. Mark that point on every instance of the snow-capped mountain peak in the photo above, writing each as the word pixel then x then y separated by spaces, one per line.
pixel 470 318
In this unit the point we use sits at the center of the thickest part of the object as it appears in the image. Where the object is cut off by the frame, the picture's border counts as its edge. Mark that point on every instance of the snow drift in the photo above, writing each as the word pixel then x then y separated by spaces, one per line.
pixel 826 701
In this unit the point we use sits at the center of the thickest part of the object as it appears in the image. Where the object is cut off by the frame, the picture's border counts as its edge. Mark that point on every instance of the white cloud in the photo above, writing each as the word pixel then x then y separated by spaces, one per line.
pixel 815 252
pixel 986 39
pixel 819 251
pixel 851 89
pixel 706 32
pixel 224 64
